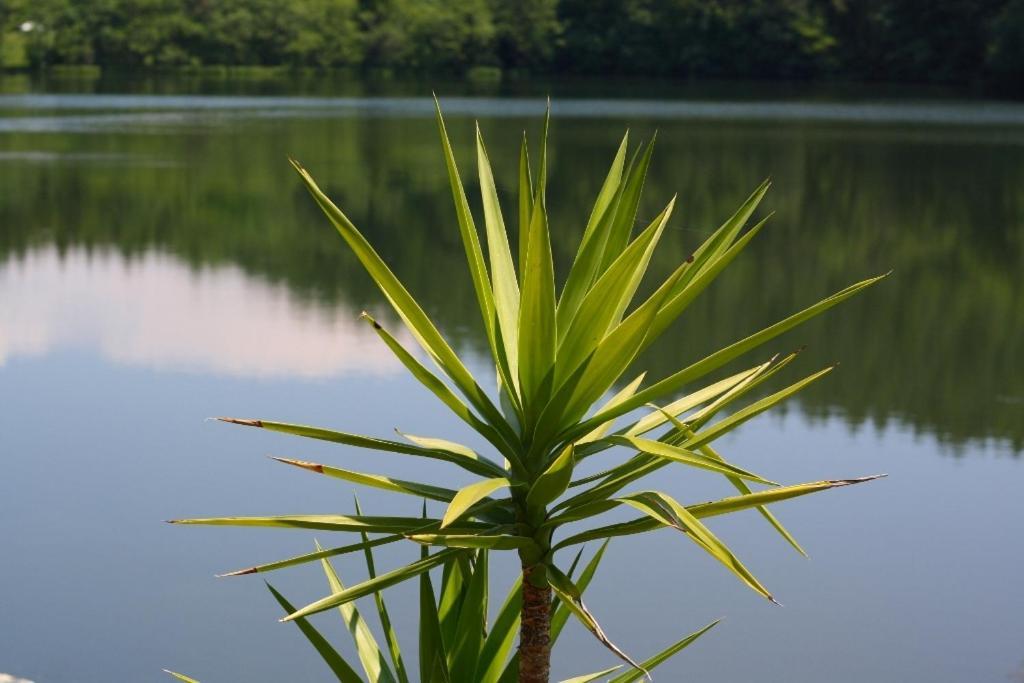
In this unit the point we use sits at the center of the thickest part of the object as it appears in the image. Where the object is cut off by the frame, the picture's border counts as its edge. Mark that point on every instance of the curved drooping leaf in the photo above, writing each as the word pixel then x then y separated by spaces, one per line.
pixel 741 486
pixel 616 478
pixel 669 512
pixel 700 511
pixel 652 662
pixel 685 456
pixel 560 613
pixel 570 596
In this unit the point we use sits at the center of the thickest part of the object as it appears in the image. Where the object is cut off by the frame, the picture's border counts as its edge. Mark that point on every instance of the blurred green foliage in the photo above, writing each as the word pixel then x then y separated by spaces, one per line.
pixel 954 41
pixel 942 206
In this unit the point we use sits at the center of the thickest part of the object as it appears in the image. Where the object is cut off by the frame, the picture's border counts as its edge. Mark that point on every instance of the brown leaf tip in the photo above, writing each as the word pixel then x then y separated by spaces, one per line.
pixel 240 421
pixel 857 480
pixel 312 466
pixel 240 572
pixel 366 316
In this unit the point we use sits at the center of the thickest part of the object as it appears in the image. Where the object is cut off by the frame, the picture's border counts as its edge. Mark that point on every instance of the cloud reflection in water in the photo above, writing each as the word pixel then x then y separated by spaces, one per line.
pixel 157 312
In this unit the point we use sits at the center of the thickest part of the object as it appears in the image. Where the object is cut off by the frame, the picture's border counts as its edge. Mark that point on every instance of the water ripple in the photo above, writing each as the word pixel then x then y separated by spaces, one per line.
pixel 167 110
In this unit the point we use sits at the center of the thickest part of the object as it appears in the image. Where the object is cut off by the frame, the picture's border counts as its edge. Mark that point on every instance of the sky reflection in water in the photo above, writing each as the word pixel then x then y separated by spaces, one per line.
pixel 156 312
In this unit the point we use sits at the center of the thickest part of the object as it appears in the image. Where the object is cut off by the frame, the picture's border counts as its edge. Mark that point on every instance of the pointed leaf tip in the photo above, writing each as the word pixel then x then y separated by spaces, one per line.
pixel 238 572
pixel 311 466
pixel 857 480
pixel 241 421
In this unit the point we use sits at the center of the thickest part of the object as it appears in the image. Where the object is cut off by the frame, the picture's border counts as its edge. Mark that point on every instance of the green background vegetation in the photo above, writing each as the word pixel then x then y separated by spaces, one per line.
pixel 942 206
pixel 977 42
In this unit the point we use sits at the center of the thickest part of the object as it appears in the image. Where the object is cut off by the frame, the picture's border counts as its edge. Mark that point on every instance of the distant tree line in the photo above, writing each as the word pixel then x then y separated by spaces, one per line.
pixel 927 41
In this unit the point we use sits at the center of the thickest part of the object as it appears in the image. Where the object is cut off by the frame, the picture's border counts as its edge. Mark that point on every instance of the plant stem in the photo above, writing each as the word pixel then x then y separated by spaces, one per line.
pixel 535 630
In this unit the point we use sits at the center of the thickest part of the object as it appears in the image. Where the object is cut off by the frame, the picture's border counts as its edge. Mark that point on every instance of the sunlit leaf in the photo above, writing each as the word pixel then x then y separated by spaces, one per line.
pixel 618 398
pixel 652 662
pixel 405 305
pixel 373 585
pixel 438 387
pixel 719 358
pixel 498 643
pixel 432 662
pixel 587 678
pixel 687 457
pixel 537 336
pixel 552 482
pixel 471 541
pixel 340 668
pixel 464 651
pixel 561 613
pixel 471 495
pixel 370 654
pixel 569 594
pixel 382 611
pixel 467 460
pixel 503 271
pixel 180 677
pixel 352 523
pixel 602 307
pixel 312 557
pixel 667 511
pixel 700 510
pixel 377 481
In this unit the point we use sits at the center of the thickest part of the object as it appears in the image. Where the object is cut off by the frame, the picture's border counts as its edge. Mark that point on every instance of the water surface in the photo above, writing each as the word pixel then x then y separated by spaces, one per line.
pixel 160 264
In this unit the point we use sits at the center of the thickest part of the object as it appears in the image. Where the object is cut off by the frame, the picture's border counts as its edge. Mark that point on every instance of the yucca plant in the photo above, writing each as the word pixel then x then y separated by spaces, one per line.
pixel 556 355
pixel 456 642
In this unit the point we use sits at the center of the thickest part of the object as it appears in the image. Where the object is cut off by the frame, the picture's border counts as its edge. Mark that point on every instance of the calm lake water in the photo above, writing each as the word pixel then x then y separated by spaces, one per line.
pixel 160 263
